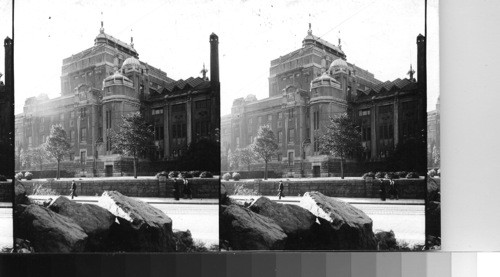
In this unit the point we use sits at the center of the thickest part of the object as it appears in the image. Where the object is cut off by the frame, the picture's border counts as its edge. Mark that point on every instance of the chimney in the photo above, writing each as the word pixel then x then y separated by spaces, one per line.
pixel 214 59
pixel 421 61
pixel 7 110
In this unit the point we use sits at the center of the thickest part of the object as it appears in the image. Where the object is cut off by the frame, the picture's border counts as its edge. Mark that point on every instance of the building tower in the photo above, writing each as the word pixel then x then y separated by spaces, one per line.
pixel 215 84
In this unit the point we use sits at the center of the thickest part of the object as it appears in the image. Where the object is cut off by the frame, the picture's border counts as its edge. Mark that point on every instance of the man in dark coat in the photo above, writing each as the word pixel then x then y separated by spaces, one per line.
pixel 177 188
pixel 383 195
pixel 73 190
pixel 280 190
pixel 393 191
pixel 187 189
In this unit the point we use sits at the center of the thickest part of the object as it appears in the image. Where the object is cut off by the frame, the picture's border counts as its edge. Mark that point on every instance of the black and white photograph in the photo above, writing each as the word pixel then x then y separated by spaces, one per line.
pixel 324 131
pixel 6 127
pixel 117 111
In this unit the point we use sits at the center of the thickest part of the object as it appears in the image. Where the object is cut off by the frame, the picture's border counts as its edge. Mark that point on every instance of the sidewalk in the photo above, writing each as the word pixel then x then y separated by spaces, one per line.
pixel 150 200
pixel 370 201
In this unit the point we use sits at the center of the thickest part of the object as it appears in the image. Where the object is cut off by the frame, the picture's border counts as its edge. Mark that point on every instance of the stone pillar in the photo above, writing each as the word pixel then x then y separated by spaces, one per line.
pixel 396 121
pixel 166 131
pixel 373 126
pixel 189 119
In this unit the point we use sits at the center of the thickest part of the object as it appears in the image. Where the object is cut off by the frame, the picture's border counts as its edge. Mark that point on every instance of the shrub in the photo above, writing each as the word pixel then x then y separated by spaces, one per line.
pixel 391 175
pixel 386 240
pixel 439 172
pixel 206 174
pixel 368 175
pixel 412 175
pixel 380 174
pixel 185 174
pixel 242 190
pixel 236 176
pixel 173 174
pixel 3 178
pixel 28 175
pixel 401 174
pixel 432 173
pixel 195 173
pixel 163 173
pixel 226 176
pixel 19 176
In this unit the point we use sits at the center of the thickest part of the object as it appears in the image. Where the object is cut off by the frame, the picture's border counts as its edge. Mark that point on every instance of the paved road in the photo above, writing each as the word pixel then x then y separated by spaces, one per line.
pixel 6 227
pixel 407 221
pixel 201 220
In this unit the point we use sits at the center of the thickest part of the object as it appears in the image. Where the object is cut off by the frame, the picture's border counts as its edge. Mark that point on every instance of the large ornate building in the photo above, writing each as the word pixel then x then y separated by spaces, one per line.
pixel 309 85
pixel 106 81
pixel 433 136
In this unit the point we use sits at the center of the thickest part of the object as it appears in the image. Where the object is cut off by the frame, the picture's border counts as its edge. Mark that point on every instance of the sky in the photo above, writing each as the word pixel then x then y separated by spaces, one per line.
pixel 377 35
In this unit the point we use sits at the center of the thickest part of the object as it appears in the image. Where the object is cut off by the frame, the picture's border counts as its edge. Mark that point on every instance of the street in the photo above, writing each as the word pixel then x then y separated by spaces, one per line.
pixel 407 221
pixel 202 220
pixel 6 227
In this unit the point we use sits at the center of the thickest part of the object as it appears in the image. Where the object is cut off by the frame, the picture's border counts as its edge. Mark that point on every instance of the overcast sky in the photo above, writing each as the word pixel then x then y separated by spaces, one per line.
pixel 379 36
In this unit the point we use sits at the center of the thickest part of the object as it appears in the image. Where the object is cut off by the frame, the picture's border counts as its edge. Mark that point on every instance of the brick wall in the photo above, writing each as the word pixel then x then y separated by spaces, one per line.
pixel 5 191
pixel 201 188
pixel 351 188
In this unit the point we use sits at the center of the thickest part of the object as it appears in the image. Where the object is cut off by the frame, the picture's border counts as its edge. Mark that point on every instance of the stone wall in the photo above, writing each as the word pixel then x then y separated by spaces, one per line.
pixel 151 187
pixel 6 191
pixel 350 188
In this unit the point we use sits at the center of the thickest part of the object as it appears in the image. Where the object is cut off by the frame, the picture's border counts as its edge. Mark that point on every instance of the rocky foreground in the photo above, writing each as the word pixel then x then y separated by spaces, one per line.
pixel 116 224
pixel 318 223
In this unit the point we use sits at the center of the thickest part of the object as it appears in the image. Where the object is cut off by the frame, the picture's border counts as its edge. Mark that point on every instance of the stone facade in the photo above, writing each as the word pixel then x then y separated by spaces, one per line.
pixel 101 84
pixel 433 135
pixel 306 88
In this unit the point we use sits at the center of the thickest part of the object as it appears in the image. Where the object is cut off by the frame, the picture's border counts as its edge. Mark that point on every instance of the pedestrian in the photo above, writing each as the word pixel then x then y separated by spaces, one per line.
pixel 382 190
pixel 280 190
pixel 187 190
pixel 73 190
pixel 176 189
pixel 393 191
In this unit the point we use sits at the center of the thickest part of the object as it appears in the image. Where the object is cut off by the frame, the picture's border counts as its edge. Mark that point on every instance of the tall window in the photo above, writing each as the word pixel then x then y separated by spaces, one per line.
pixel 83 134
pixel 290 158
pixel 290 113
pixel 108 119
pixel 280 136
pixel 83 157
pixel 316 120
pixel 291 135
pixel 385 130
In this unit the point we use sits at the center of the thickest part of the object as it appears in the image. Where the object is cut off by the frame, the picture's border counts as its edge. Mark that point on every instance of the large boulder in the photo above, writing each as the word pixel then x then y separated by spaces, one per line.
pixel 20 195
pixel 246 230
pixel 293 219
pixel 49 231
pixel 94 220
pixel 343 227
pixel 141 227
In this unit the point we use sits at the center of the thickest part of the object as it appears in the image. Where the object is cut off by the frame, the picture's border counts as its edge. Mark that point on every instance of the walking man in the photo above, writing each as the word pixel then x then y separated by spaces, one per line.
pixel 393 191
pixel 382 190
pixel 73 190
pixel 280 190
pixel 187 190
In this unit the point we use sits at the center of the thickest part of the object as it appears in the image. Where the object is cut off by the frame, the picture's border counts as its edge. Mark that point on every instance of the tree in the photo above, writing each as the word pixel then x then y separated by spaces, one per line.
pixel 341 139
pixel 242 156
pixel 134 138
pixel 57 145
pixel 39 156
pixel 265 146
pixel 25 158
pixel 234 158
pixel 248 156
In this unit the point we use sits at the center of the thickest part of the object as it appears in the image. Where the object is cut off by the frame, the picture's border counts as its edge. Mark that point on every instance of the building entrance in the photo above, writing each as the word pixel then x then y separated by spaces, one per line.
pixel 316 171
pixel 109 171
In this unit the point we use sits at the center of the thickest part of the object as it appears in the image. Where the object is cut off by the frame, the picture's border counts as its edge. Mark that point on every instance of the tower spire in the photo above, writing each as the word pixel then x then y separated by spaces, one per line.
pixel 131 39
pixel 310 29
pixel 340 42
pixel 411 72
pixel 102 25
pixel 204 72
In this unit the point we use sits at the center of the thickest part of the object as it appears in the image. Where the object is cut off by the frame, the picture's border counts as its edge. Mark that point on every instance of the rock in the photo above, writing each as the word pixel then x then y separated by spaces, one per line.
pixel 386 240
pixel 343 227
pixel 50 232
pixel 94 220
pixel 141 227
pixel 183 241
pixel 433 189
pixel 293 219
pixel 246 230
pixel 21 196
